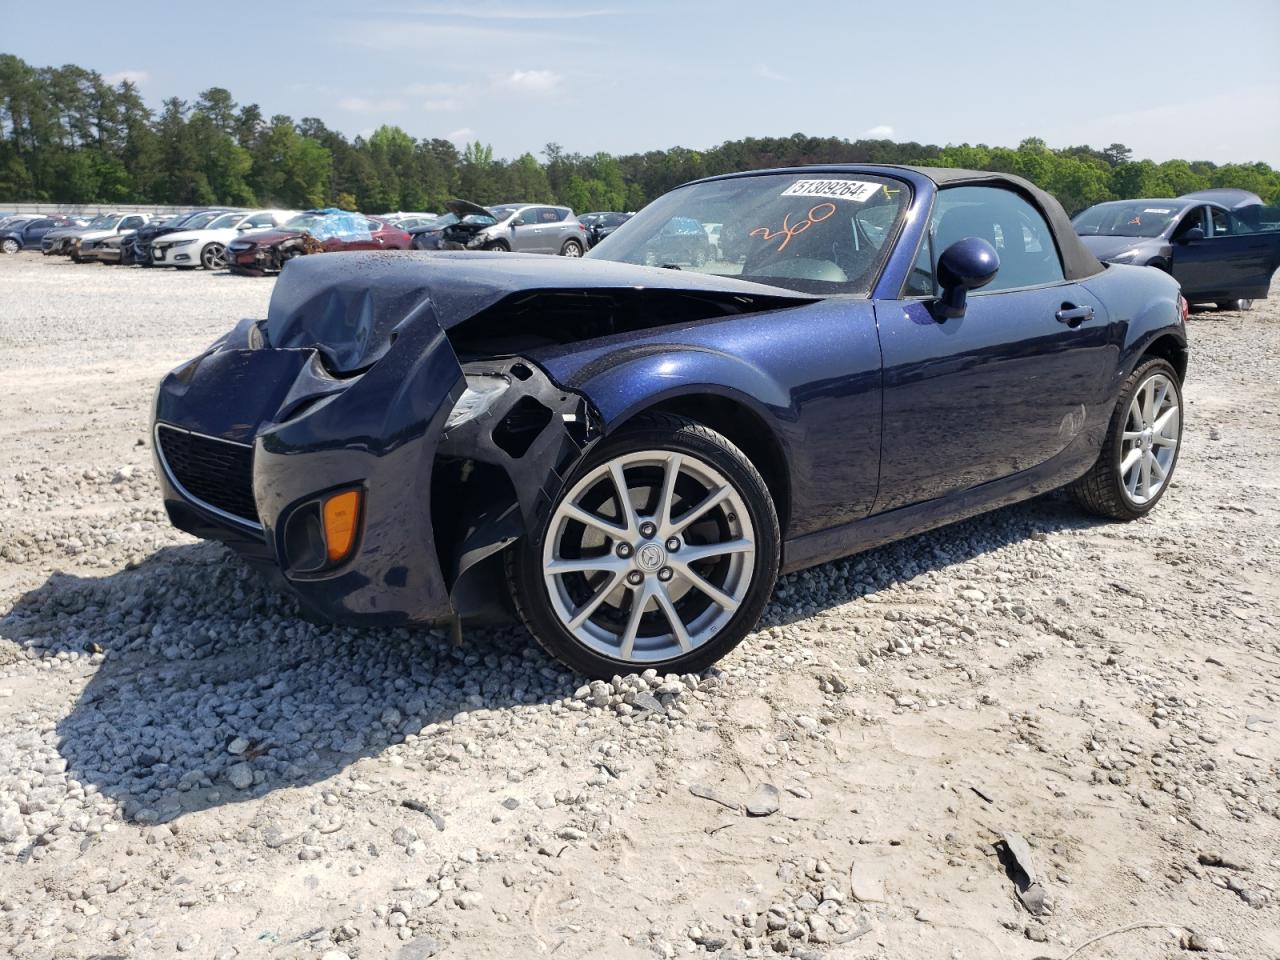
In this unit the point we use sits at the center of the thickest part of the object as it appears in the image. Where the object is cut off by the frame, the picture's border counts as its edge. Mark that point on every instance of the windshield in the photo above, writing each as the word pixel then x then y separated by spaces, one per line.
pixel 322 226
pixel 816 233
pixel 199 221
pixel 225 221
pixel 103 221
pixel 1127 218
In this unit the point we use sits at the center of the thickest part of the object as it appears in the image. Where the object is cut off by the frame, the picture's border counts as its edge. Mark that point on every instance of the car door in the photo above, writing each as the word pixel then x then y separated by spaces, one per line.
pixel 1231 261
pixel 527 233
pixel 1007 386
pixel 34 232
pixel 1191 259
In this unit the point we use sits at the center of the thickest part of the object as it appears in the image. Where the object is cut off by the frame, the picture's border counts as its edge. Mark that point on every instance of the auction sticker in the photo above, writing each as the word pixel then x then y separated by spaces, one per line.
pixel 858 191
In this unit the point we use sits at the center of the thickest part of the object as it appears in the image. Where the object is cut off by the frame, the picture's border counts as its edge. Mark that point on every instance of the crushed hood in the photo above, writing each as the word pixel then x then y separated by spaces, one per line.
pixel 350 306
pixel 465 208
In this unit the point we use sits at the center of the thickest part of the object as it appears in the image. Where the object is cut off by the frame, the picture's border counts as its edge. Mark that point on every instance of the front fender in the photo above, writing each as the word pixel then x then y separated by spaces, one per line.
pixel 624 384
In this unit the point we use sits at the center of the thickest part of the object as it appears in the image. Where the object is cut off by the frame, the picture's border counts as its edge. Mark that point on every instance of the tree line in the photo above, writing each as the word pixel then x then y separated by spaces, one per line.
pixel 69 136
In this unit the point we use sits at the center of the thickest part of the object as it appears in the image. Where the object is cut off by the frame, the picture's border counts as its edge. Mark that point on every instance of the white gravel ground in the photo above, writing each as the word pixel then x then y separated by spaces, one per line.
pixel 187 767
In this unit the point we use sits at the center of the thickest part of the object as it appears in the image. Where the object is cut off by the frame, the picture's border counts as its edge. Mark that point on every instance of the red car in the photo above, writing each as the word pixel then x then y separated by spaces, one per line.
pixel 260 252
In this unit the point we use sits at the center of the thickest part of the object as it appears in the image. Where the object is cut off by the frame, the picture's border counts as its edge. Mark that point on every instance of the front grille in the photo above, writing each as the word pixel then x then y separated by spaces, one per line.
pixel 217 473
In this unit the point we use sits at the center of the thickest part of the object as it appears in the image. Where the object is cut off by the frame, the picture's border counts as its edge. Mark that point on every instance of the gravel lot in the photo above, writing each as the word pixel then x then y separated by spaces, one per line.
pixel 185 766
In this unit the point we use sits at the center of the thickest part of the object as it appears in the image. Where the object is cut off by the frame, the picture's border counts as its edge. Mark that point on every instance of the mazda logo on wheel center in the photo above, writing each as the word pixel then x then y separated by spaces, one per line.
pixel 650 557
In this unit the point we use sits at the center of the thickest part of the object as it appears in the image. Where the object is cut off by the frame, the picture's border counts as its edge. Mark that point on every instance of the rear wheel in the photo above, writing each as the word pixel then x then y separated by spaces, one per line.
pixel 213 256
pixel 1136 464
pixel 571 248
pixel 661 552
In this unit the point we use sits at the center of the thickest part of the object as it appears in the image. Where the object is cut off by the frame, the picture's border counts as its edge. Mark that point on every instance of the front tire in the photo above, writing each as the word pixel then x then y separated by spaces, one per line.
pixel 10 246
pixel 669 574
pixel 1144 437
pixel 498 246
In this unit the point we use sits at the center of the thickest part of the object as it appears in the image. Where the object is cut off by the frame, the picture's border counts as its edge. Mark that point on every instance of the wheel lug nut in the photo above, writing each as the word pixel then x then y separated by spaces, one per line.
pixel 665 574
pixel 635 578
pixel 673 544
pixel 647 529
pixel 624 550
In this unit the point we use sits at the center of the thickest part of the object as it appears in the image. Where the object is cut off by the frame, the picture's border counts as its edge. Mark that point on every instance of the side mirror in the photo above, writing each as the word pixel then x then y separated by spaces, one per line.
pixel 1195 233
pixel 517 222
pixel 967 264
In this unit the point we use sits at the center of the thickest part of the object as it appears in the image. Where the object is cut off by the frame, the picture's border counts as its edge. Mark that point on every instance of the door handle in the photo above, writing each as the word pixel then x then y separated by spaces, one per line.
pixel 1074 316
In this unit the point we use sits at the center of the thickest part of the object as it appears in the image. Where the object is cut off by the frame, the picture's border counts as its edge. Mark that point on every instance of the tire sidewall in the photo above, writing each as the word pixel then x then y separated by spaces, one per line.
pixel 571 245
pixel 526 561
pixel 210 246
pixel 1115 433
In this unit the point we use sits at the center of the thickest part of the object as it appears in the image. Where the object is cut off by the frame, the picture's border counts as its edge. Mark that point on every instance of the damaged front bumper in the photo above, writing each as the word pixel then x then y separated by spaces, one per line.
pixel 250 439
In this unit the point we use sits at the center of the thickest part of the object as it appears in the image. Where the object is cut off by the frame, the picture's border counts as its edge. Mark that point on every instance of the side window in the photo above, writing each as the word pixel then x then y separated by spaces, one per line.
pixel 1221 222
pixel 1007 221
pixel 262 220
pixel 1193 218
pixel 39 224
pixel 920 279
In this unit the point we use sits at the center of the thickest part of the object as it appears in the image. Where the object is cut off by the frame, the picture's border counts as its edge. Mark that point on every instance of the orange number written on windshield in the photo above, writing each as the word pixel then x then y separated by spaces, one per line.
pixel 816 214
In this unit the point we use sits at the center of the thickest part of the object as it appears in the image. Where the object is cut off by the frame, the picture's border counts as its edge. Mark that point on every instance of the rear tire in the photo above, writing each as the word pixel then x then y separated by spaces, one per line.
pixel 213 256
pixel 571 248
pixel 702 568
pixel 1136 464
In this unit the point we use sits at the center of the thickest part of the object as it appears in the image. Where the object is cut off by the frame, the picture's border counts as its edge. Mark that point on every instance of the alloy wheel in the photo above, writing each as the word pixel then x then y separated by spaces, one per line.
pixel 572 249
pixel 214 256
pixel 10 246
pixel 648 556
pixel 1149 444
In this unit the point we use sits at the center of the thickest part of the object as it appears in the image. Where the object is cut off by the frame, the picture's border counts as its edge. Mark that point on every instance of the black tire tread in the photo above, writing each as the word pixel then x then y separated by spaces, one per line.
pixel 1097 491
pixel 674 424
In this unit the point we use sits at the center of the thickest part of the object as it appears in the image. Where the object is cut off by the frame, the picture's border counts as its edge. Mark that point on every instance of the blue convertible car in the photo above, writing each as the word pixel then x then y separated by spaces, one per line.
pixel 626 455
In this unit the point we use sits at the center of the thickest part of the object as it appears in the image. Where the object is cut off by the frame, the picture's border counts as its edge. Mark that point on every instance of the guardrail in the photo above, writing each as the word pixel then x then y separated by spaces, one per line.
pixel 93 209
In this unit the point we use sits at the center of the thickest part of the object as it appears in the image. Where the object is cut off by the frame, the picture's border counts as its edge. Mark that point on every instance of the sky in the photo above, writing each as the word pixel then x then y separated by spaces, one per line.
pixel 1189 79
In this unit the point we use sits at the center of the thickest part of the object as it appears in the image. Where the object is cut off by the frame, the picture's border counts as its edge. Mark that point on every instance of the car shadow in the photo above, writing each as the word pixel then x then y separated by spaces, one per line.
pixel 206 687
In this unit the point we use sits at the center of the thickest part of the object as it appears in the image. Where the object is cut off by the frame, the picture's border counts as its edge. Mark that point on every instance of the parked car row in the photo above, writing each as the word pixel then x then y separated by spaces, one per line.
pixel 25 231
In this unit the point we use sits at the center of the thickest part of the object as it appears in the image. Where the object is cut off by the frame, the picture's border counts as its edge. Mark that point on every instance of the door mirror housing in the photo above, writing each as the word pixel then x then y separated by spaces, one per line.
pixel 1195 233
pixel 967 264
pixel 517 222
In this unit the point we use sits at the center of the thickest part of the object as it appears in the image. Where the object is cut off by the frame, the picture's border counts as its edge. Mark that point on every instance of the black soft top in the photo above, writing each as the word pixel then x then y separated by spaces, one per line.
pixel 1077 261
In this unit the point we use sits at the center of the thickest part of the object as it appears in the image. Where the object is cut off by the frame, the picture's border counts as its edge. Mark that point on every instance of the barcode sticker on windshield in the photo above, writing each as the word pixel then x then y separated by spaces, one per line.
pixel 859 191
pixel 1157 210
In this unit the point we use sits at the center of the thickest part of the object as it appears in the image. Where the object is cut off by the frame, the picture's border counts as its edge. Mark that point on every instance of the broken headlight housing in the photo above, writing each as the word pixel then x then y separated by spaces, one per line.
pixel 482 392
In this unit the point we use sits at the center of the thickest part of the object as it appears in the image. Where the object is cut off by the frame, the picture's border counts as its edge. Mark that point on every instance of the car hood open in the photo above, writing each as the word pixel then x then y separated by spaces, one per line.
pixel 465 208
pixel 351 306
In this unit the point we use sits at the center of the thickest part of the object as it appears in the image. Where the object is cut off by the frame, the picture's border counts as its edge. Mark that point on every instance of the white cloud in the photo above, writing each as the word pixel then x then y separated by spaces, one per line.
pixel 138 77
pixel 768 73
pixel 534 82
pixel 461 135
pixel 365 105
pixel 882 132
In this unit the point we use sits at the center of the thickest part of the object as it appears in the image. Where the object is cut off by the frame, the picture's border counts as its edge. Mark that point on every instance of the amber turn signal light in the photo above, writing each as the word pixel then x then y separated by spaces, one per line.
pixel 341 514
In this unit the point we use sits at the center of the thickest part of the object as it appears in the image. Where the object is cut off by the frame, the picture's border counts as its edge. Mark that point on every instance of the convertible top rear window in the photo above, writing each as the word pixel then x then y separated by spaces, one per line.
pixel 815 233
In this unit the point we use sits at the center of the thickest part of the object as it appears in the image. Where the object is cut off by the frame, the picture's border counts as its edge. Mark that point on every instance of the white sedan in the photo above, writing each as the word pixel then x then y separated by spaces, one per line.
pixel 207 247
